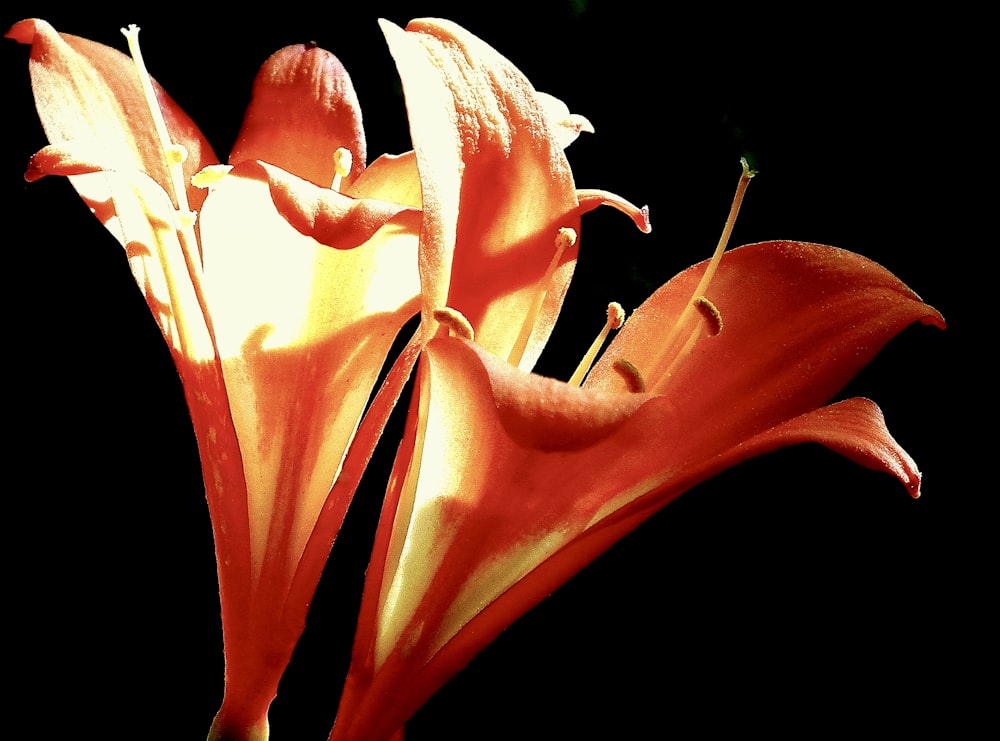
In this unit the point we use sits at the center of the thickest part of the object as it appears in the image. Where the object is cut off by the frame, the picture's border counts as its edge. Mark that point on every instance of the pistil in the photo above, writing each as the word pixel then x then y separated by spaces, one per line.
pixel 173 154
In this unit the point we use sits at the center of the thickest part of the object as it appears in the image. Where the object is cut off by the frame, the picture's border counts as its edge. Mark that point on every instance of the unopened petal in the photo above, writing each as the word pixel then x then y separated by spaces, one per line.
pixel 303 110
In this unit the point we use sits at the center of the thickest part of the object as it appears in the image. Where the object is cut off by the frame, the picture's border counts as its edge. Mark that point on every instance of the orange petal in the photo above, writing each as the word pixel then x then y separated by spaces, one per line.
pixel 303 109
pixel 799 321
pixel 496 185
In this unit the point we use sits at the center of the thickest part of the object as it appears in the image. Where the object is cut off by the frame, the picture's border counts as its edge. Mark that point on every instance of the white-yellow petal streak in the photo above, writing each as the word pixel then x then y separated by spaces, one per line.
pixel 301 340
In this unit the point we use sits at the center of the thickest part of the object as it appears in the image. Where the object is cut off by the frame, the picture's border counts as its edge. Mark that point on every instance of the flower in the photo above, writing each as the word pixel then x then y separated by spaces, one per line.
pixel 278 338
pixel 507 483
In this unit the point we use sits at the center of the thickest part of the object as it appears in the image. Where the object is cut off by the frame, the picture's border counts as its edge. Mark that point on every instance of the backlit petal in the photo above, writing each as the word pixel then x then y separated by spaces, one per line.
pixel 303 109
pixel 496 185
pixel 299 326
pixel 799 321
pixel 88 92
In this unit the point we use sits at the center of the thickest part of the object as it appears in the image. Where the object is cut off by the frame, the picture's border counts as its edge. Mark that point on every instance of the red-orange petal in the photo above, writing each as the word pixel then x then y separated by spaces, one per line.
pixel 799 321
pixel 303 109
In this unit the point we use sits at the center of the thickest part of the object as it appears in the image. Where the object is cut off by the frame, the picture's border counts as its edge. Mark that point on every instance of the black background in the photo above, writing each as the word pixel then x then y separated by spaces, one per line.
pixel 792 594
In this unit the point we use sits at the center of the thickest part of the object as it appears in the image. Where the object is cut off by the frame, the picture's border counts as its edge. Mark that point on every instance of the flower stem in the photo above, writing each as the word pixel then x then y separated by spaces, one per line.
pixel 227 728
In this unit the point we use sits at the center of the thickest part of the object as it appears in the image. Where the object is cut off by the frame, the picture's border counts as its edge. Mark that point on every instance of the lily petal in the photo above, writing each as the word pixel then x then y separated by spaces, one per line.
pixel 294 334
pixel 799 321
pixel 303 109
pixel 555 474
pixel 496 186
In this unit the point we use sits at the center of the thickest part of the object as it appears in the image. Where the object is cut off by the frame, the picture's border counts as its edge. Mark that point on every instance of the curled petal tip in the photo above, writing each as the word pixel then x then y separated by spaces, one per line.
pixel 590 198
pixel 646 226
pixel 23 31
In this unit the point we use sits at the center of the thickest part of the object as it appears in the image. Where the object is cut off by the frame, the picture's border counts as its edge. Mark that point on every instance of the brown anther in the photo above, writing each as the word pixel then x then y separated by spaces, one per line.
pixel 631 375
pixel 710 313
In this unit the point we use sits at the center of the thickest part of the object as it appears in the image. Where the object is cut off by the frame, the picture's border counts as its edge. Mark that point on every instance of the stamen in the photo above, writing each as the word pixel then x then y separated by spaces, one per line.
pixel 633 378
pixel 343 161
pixel 674 343
pixel 171 151
pixel 455 322
pixel 712 315
pixel 616 317
pixel 565 238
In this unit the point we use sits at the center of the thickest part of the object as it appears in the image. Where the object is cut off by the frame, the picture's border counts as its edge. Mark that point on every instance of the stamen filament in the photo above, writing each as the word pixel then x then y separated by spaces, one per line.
pixel 616 317
pixel 565 238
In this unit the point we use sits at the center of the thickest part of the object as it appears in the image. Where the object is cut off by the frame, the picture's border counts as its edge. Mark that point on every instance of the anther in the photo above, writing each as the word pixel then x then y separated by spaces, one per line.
pixel 210 175
pixel 176 154
pixel 616 317
pixel 711 314
pixel 565 237
pixel 343 161
pixel 455 322
pixel 633 378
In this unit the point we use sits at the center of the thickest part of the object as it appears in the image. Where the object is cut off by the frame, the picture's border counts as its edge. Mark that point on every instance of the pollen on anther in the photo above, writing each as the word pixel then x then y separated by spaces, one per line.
pixel 210 175
pixel 710 313
pixel 343 161
pixel 176 154
pixel 565 238
pixel 631 375
pixel 616 315
pixel 455 322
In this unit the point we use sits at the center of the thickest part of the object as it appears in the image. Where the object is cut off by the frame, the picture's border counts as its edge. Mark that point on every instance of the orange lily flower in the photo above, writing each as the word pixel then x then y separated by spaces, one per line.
pixel 508 483
pixel 278 338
